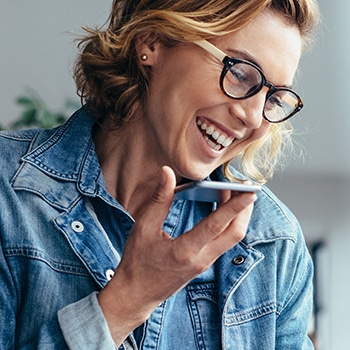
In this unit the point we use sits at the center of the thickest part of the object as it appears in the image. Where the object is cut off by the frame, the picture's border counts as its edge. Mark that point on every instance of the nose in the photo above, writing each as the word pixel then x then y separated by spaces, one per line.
pixel 250 111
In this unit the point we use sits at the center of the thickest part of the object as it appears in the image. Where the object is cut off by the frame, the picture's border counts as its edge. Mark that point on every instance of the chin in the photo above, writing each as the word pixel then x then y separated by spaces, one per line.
pixel 196 172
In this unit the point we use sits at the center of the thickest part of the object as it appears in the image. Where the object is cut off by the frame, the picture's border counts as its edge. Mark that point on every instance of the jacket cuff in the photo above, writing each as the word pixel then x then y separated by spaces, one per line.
pixel 84 326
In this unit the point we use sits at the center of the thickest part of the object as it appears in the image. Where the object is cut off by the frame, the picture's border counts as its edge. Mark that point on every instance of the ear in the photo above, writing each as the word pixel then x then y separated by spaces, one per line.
pixel 147 48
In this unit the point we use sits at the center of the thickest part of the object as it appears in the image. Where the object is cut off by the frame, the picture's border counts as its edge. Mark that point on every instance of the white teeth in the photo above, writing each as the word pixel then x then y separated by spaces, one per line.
pixel 215 135
pixel 203 126
pixel 210 130
pixel 221 139
pixel 227 142
pixel 212 144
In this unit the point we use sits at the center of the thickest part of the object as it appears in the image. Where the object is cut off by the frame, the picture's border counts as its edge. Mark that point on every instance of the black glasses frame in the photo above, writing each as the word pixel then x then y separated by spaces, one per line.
pixel 229 62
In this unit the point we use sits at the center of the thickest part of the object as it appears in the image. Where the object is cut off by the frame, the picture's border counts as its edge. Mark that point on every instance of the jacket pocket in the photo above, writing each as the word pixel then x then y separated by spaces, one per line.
pixel 205 316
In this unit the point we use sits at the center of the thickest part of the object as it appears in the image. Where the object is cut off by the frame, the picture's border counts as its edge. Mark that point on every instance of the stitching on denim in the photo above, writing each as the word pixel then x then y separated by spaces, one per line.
pixel 249 315
pixel 37 254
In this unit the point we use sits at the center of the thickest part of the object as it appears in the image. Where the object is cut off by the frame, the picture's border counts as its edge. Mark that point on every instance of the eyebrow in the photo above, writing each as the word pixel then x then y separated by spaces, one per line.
pixel 244 55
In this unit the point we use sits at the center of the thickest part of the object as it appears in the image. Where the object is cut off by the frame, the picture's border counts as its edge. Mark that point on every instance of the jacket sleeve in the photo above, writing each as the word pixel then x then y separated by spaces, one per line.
pixel 295 310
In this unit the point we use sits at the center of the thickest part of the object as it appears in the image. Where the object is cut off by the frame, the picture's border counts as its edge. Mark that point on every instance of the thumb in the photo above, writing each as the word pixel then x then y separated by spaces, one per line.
pixel 163 196
pixel 164 192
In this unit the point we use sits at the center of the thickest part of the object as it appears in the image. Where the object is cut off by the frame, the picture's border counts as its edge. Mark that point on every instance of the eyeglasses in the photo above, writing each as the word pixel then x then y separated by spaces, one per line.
pixel 241 79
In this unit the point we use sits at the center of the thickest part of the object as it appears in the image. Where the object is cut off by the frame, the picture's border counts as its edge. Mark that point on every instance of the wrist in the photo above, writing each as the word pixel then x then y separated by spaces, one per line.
pixel 124 309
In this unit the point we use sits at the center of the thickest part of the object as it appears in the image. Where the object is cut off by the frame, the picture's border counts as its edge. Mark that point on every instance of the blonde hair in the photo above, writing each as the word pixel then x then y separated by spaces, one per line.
pixel 113 83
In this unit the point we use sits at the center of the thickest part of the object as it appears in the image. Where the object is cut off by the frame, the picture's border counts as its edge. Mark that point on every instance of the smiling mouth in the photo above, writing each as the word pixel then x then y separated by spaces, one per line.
pixel 215 137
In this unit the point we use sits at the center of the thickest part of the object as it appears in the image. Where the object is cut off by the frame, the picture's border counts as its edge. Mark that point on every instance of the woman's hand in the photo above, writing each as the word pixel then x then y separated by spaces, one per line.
pixel 154 266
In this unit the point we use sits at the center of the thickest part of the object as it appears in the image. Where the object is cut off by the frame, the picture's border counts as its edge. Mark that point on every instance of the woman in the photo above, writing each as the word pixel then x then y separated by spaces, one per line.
pixel 96 252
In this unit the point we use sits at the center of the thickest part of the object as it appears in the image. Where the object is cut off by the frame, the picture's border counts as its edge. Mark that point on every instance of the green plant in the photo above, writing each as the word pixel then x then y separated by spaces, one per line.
pixel 37 114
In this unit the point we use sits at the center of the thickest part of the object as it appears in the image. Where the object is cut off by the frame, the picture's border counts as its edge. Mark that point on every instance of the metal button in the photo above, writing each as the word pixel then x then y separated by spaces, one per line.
pixel 109 274
pixel 77 226
pixel 238 260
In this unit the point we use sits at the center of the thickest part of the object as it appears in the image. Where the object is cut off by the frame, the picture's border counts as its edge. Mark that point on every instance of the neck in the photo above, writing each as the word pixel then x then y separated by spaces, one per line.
pixel 131 173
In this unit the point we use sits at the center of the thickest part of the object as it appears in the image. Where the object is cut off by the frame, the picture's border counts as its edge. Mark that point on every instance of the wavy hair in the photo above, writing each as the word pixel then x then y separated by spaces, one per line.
pixel 112 82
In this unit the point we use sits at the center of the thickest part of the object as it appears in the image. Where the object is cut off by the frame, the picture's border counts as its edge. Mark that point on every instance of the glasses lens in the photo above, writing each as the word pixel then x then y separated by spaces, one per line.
pixel 242 80
pixel 281 104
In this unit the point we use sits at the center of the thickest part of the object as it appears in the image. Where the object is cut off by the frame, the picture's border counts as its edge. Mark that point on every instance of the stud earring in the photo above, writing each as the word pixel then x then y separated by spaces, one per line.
pixel 144 57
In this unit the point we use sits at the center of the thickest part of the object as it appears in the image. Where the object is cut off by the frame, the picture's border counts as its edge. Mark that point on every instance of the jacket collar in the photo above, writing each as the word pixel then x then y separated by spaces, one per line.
pixel 63 157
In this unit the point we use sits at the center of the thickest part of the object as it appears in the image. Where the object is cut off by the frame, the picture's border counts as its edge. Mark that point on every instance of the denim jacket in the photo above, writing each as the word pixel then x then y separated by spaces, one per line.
pixel 62 236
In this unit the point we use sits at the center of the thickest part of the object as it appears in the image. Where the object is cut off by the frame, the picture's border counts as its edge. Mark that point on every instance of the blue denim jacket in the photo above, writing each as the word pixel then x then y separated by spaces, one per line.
pixel 62 236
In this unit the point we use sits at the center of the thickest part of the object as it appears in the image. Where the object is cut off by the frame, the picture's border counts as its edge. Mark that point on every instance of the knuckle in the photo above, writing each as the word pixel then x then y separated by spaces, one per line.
pixel 157 197
pixel 160 199
pixel 187 260
pixel 242 201
pixel 239 235
pixel 183 257
pixel 239 230
pixel 214 226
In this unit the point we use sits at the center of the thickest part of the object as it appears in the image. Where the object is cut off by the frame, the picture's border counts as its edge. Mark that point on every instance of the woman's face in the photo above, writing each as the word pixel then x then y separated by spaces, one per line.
pixel 184 94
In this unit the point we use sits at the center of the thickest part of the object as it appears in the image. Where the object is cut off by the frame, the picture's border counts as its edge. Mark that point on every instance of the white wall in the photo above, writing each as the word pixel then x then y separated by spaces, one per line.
pixel 322 205
pixel 37 51
pixel 37 48
pixel 324 85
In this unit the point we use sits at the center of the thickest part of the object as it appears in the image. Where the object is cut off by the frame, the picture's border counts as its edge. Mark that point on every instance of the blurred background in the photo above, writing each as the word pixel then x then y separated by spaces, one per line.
pixel 37 52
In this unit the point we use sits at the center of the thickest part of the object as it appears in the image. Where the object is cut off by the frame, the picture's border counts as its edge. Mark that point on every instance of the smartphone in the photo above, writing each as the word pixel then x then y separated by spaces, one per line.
pixel 211 191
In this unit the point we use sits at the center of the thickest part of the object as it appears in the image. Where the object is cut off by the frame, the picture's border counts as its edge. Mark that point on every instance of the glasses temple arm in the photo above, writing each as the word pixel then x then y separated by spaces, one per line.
pixel 207 46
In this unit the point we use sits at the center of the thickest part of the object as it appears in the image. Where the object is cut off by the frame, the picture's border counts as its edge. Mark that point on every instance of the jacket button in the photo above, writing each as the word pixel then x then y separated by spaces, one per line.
pixel 109 274
pixel 77 226
pixel 238 260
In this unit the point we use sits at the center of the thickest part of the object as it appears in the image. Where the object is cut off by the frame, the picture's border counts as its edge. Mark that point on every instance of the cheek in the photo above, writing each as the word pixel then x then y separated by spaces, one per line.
pixel 256 135
pixel 261 132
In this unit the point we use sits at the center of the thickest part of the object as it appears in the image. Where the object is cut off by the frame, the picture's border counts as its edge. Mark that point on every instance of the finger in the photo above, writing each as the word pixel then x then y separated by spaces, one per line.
pixel 218 221
pixel 232 235
pixel 225 196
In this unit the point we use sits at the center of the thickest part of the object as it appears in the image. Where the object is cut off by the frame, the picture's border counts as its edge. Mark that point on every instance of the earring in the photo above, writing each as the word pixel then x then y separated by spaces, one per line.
pixel 144 57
